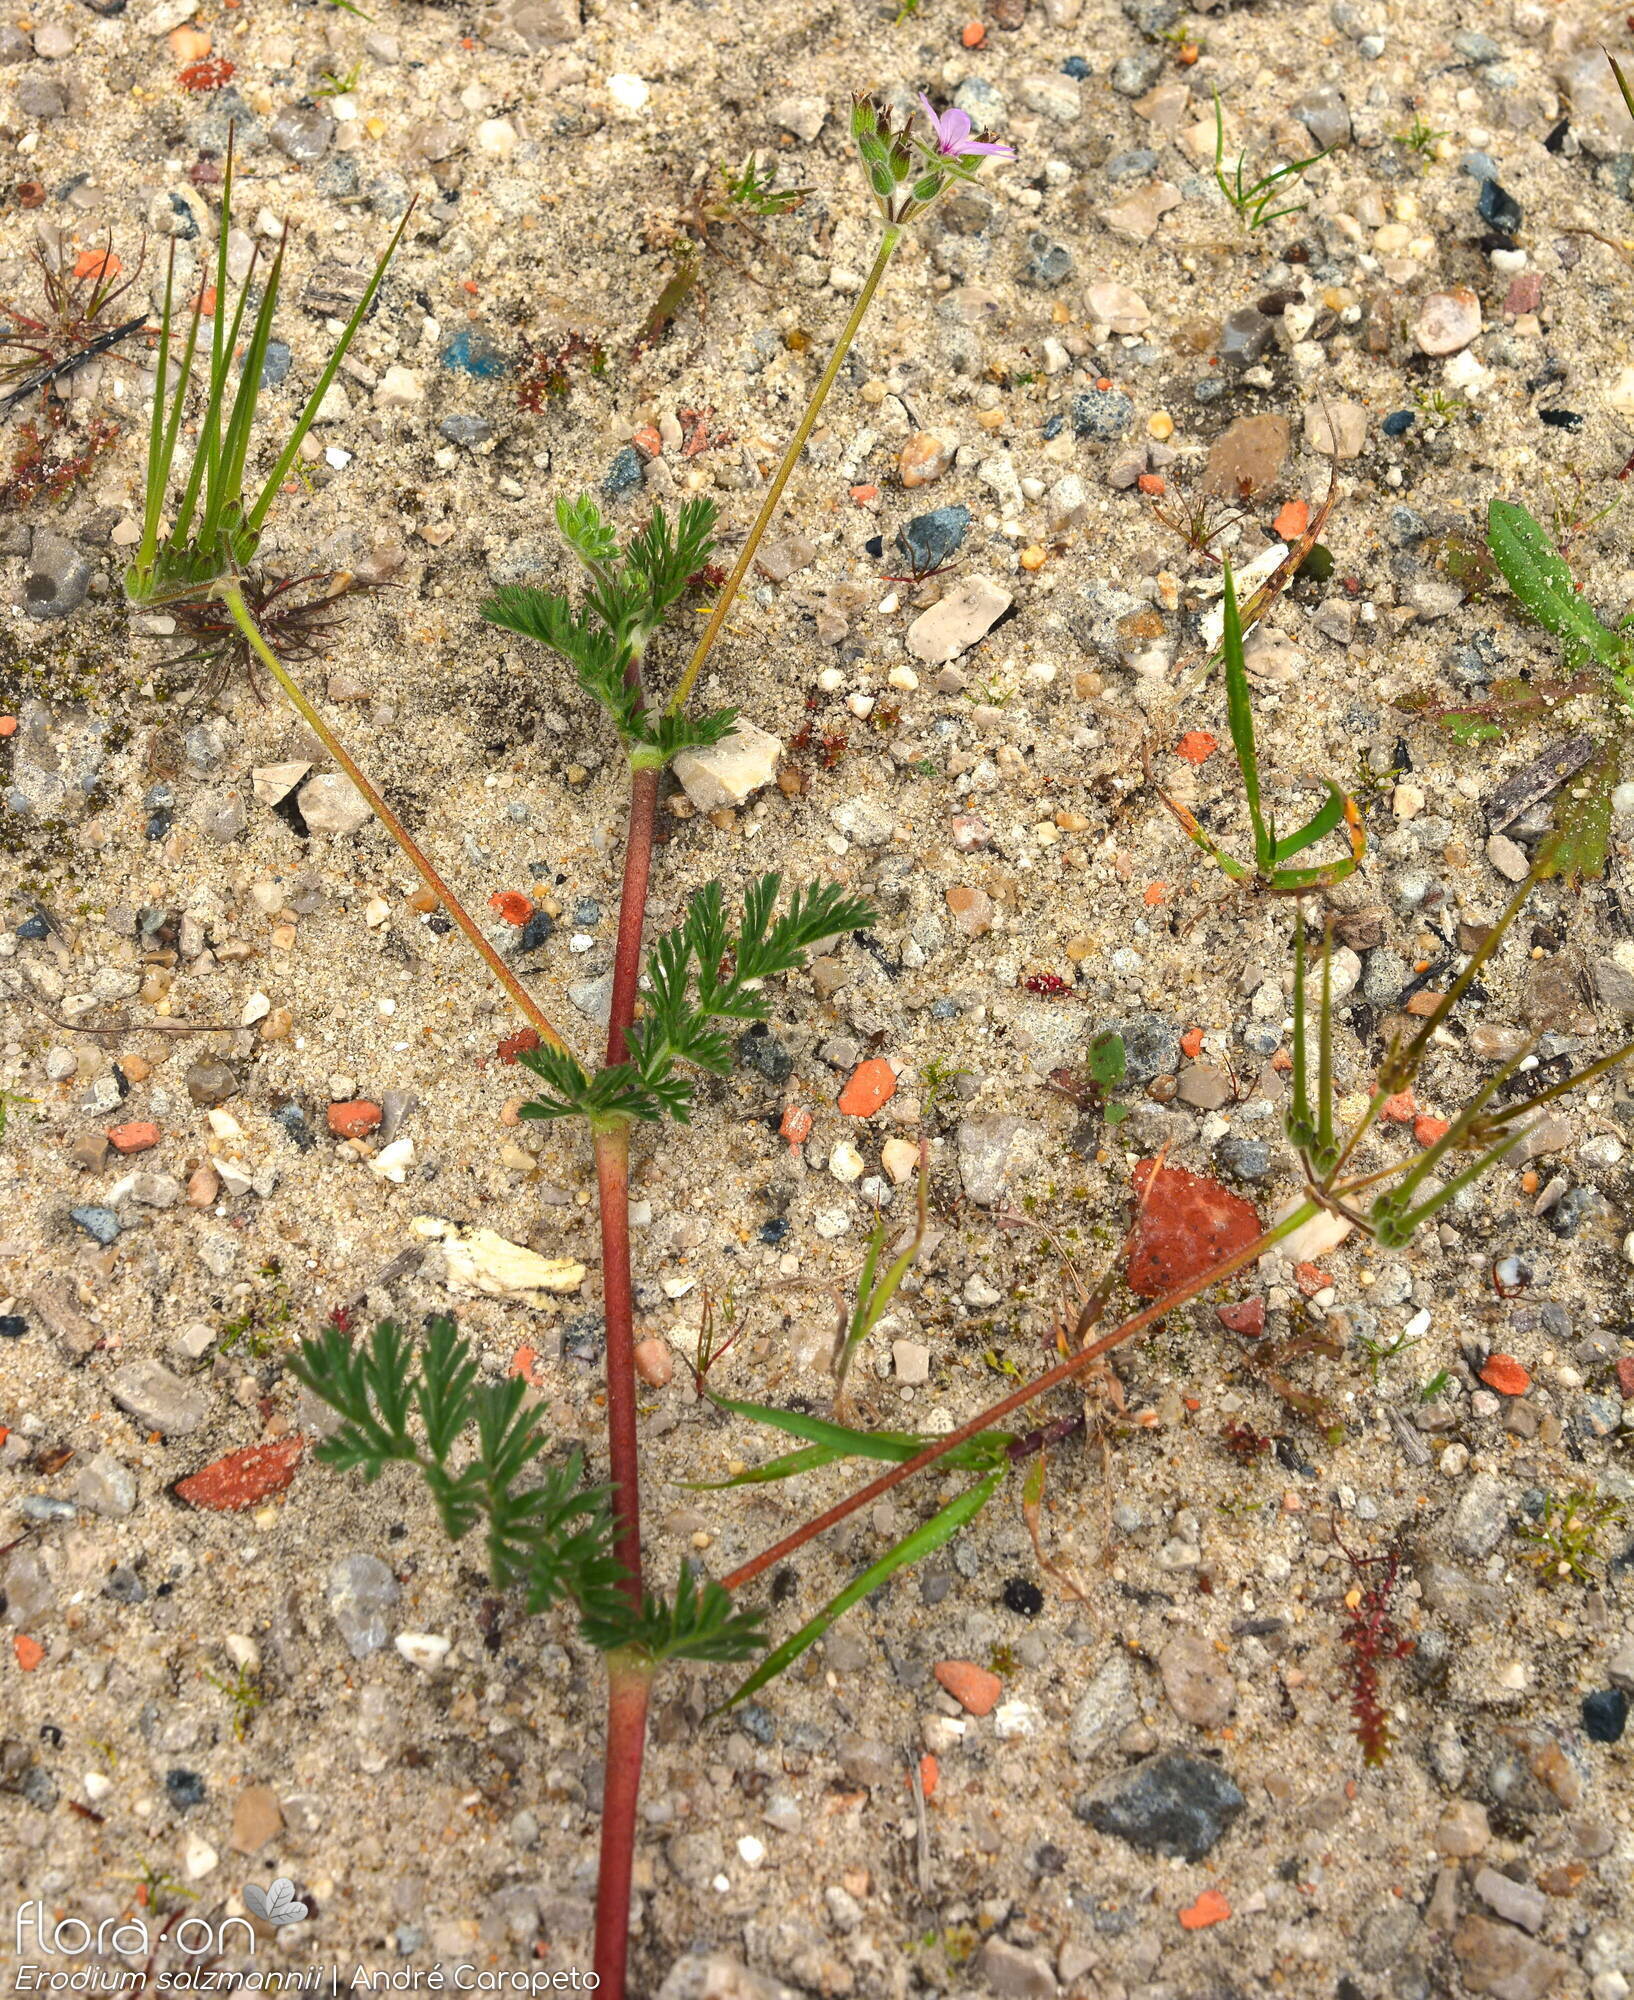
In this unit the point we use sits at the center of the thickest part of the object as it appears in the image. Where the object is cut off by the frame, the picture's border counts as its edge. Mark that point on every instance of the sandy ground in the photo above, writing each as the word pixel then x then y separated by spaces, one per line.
pixel 184 1712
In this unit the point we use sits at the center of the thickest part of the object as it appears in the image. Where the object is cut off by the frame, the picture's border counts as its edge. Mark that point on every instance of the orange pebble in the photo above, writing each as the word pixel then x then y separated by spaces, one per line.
pixel 97 264
pixel 1191 1042
pixel 1197 746
pixel 972 1687
pixel 796 1127
pixel 1427 1130
pixel 1152 482
pixel 1505 1374
pixel 1155 893
pixel 8 725
pixel 653 1362
pixel 140 1137
pixel 872 1084
pixel 863 494
pixel 930 1773
pixel 1210 1908
pixel 1401 1109
pixel 525 1362
pixel 974 34
pixel 29 1652
pixel 188 44
pixel 512 905
pixel 1292 520
pixel 355 1120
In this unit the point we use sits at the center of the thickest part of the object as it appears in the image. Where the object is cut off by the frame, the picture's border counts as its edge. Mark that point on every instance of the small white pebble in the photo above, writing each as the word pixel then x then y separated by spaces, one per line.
pixel 392 1162
pixel 831 680
pixel 423 1649
pixel 751 1851
pixel 256 1008
pixel 1454 1461
pixel 629 93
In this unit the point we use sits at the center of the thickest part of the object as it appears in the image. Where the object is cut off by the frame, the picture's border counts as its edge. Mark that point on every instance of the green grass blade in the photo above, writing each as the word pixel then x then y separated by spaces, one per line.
pixel 161 436
pixel 892 1446
pixel 184 376
pixel 224 487
pixel 811 1458
pixel 286 458
pixel 1299 1116
pixel 1324 1054
pixel 1240 721
pixel 1326 819
pixel 924 1541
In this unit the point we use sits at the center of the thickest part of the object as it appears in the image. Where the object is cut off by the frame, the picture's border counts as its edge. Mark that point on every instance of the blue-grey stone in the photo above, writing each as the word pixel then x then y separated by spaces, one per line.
pixel 275 363
pixel 1139 163
pixel 41 1507
pixel 1047 263
pixel 1245 338
pixel 1151 1046
pixel 466 431
pixel 1102 414
pixel 984 105
pixel 929 540
pixel 185 1788
pixel 535 932
pixel 472 351
pixel 760 1050
pixel 1171 1804
pixel 388 195
pixel 1605 1715
pixel 98 1222
pixel 124 1586
pixel 624 474
pixel 1498 208
pixel 1133 76
pixel 1244 1159
pixel 1475 47
pixel 1397 424
pixel 1479 166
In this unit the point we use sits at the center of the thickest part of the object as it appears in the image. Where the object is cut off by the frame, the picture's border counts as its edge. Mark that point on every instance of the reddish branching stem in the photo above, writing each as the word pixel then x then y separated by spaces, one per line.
pixel 1372 1639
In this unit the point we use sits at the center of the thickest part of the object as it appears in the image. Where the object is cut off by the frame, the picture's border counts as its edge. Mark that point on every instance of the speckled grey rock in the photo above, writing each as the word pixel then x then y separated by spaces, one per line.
pixel 158 1400
pixel 1168 1804
pixel 58 577
pixel 360 1591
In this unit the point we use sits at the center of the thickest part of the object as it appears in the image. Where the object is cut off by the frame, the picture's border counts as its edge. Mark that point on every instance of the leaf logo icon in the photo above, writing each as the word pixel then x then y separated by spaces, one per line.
pixel 276 1906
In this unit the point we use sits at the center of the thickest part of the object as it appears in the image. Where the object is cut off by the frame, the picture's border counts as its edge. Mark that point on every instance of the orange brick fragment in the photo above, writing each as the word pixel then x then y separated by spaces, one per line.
pixel 243 1477
pixel 525 1362
pixel 1197 746
pixel 871 1084
pixel 1427 1130
pixel 930 1773
pixel 1292 519
pixel 1152 482
pixel 1210 1908
pixel 1401 1109
pixel 863 494
pixel 140 1137
pixel 972 1687
pixel 29 1652
pixel 100 263
pixel 1191 1042
pixel 1311 1279
pixel 973 35
pixel 354 1121
pixel 512 905
pixel 796 1126
pixel 1155 893
pixel 1505 1374
pixel 8 725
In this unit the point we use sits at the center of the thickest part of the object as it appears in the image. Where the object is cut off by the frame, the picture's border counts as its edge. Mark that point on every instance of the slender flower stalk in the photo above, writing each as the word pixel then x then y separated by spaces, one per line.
pixel 791 457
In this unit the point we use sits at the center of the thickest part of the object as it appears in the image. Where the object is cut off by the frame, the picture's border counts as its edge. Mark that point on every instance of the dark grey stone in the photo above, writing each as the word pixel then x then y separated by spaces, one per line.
pixel 1169 1804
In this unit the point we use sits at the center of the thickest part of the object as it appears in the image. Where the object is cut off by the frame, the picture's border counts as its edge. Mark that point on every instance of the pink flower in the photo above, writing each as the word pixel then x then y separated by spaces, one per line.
pixel 952 129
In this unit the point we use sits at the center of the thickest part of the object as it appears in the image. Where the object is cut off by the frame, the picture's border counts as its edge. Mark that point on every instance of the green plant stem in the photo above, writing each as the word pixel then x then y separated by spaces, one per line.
pixel 233 598
pixel 768 507
pixel 629 1683
pixel 1027 1393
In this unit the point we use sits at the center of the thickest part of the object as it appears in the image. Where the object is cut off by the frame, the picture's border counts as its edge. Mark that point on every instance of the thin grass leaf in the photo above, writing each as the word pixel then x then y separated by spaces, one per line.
pixel 924 1541
pixel 894 1447
pixel 1327 817
pixel 286 458
pixel 1240 721
pixel 810 1459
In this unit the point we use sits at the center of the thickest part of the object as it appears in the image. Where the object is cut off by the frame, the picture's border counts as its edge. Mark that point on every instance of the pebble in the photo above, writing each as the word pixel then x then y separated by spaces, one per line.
pixel 1462 1830
pixel 243 1479
pixel 1198 1685
pixel 58 577
pixel 331 803
pixel 1107 1706
pixel 157 1399
pixel 1447 321
pixel 1015 1973
pixel 729 773
pixel 423 1649
pixel 105 1486
pixel 992 1149
pixel 925 457
pixel 1103 415
pixel 931 540
pixel 1171 1804
pixel 1496 1958
pixel 257 1818
pixel 1115 305
pixel 360 1591
pixel 955 624
pixel 1508 857
pixel 1250 453
pixel 972 1687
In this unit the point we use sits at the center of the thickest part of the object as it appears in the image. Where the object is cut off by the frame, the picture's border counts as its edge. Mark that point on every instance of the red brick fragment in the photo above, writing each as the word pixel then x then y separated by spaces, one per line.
pixel 354 1121
pixel 243 1478
pixel 140 1137
pixel 1248 1318
pixel 1188 1225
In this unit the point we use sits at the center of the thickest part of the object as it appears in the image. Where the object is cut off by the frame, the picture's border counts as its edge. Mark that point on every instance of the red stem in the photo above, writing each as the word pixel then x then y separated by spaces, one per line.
pixel 632 910
pixel 613 1195
pixel 1017 1399
pixel 628 1683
